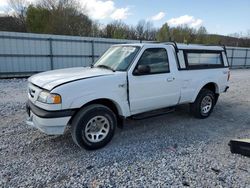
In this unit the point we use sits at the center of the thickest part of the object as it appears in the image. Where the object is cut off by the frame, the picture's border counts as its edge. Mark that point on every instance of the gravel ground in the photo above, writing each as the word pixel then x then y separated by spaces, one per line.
pixel 174 150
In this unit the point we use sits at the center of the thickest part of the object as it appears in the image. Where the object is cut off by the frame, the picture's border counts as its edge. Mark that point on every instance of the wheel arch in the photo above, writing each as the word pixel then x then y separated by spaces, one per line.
pixel 114 106
pixel 106 102
pixel 211 86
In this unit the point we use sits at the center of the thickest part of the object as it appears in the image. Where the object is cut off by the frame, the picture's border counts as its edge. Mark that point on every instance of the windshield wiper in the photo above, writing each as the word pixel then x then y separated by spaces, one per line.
pixel 105 67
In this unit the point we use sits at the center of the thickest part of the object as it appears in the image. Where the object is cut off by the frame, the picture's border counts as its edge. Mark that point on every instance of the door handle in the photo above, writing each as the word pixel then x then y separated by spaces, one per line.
pixel 170 79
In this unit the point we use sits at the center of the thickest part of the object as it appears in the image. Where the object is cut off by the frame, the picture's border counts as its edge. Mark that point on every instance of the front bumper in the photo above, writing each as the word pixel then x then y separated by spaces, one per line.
pixel 49 122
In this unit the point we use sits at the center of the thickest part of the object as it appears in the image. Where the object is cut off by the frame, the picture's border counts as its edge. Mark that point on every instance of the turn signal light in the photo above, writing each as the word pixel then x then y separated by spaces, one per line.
pixel 57 99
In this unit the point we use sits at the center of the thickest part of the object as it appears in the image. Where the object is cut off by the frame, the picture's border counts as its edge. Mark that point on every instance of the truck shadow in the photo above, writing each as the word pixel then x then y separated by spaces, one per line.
pixel 161 131
pixel 170 134
pixel 156 134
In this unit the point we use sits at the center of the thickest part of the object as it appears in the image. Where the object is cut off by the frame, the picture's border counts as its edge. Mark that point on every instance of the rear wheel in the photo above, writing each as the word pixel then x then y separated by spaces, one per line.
pixel 93 127
pixel 204 104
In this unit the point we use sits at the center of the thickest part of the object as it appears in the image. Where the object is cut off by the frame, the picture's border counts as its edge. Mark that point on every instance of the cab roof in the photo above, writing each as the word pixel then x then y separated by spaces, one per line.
pixel 178 45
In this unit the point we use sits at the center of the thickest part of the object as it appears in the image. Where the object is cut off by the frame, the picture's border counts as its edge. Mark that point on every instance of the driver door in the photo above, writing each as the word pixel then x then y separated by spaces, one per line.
pixel 152 85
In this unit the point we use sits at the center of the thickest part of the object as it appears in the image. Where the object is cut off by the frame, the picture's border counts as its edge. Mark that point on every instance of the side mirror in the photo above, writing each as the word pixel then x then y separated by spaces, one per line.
pixel 142 69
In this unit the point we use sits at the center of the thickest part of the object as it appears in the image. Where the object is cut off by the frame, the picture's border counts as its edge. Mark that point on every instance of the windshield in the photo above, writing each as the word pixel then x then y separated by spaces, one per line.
pixel 117 58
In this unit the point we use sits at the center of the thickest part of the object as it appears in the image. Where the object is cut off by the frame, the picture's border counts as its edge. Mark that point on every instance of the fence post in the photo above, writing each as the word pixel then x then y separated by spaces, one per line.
pixel 51 54
pixel 93 51
pixel 245 65
pixel 232 57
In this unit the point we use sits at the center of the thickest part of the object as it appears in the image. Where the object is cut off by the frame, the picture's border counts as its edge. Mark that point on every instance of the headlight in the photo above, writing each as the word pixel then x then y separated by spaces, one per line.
pixel 49 98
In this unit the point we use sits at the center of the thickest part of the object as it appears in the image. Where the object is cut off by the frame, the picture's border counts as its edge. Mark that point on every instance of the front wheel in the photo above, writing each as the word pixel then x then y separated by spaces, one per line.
pixel 204 104
pixel 93 127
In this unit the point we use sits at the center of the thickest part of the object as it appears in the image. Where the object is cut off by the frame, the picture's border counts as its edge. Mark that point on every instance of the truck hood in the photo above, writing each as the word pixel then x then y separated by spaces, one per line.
pixel 50 79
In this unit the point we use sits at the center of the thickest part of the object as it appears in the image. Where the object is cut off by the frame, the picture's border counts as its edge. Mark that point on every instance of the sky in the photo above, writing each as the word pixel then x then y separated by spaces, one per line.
pixel 218 16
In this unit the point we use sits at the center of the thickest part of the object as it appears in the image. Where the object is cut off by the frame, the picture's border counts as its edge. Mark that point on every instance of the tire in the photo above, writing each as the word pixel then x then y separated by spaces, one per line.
pixel 203 104
pixel 93 127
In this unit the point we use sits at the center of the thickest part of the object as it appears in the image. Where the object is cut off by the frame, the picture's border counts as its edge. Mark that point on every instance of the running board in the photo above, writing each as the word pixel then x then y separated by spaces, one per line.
pixel 153 113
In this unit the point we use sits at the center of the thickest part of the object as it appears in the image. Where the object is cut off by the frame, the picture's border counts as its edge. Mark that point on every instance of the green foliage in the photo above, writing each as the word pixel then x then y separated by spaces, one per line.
pixel 38 19
pixel 117 30
pixel 201 35
pixel 67 21
pixel 185 34
pixel 64 20
pixel 182 34
pixel 163 34
pixel 63 17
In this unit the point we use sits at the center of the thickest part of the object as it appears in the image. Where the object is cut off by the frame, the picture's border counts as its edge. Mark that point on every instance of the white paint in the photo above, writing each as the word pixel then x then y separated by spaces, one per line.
pixel 50 79
pixel 50 126
pixel 149 92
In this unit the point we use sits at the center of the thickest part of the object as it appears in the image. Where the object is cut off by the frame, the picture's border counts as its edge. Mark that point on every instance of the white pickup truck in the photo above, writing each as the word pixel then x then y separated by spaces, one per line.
pixel 129 80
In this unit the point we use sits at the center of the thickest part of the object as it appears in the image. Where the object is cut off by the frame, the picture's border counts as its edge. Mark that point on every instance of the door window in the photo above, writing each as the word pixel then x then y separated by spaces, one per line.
pixel 154 61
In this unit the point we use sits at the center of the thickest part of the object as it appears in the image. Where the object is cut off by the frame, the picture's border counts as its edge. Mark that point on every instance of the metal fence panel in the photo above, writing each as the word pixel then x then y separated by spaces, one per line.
pixel 238 57
pixel 23 54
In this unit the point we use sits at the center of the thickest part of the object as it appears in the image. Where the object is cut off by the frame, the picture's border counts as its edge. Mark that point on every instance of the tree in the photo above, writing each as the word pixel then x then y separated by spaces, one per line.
pixel 140 28
pixel 58 17
pixel 163 34
pixel 38 19
pixel 202 31
pixel 132 33
pixel 117 29
pixel 68 21
pixel 145 30
pixel 95 30
pixel 65 17
pixel 19 7
pixel 201 35
pixel 149 32
pixel 182 34
pixel 10 23
pixel 248 33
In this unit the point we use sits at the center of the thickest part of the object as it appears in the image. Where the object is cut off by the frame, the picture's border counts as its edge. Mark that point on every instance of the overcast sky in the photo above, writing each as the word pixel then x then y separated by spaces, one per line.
pixel 218 16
